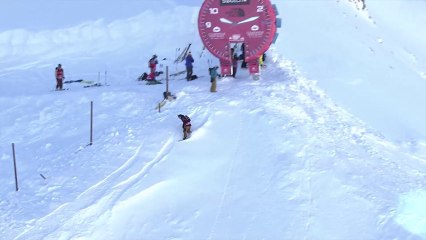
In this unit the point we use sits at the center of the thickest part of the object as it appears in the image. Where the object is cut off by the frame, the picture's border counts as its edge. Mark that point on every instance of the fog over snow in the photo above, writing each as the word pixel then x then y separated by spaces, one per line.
pixel 330 143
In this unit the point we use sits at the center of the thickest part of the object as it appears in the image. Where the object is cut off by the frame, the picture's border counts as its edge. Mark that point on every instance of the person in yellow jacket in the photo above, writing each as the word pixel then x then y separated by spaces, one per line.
pixel 261 61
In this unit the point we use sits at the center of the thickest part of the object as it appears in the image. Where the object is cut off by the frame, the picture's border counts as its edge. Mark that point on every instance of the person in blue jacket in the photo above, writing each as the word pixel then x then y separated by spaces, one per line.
pixel 188 63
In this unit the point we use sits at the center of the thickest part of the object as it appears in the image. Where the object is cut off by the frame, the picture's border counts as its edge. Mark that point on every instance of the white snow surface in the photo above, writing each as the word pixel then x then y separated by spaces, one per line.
pixel 329 144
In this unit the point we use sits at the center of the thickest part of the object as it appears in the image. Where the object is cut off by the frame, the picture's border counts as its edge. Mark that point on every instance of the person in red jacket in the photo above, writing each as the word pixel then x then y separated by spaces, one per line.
pixel 152 64
pixel 59 74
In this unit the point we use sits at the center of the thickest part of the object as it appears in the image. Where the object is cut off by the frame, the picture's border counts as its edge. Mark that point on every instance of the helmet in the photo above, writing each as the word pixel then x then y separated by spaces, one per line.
pixel 154 56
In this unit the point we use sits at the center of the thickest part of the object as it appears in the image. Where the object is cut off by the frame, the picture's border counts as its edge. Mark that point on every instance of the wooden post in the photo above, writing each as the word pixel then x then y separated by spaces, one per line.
pixel 167 80
pixel 91 123
pixel 106 82
pixel 14 165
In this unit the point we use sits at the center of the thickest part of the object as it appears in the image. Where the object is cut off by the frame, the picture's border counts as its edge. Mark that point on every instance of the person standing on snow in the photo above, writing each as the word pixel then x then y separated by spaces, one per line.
pixel 188 63
pixel 59 75
pixel 213 75
pixel 234 61
pixel 243 56
pixel 152 64
pixel 186 125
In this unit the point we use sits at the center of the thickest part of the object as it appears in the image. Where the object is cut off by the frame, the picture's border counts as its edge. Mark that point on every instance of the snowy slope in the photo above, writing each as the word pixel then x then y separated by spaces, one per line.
pixel 315 171
pixel 367 61
pixel 271 159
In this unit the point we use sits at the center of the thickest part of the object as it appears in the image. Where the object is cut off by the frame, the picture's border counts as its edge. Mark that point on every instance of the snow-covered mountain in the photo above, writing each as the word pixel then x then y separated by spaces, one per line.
pixel 329 144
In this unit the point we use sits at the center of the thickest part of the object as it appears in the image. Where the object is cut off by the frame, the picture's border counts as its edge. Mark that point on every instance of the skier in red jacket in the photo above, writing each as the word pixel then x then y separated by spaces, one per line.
pixel 152 64
pixel 59 74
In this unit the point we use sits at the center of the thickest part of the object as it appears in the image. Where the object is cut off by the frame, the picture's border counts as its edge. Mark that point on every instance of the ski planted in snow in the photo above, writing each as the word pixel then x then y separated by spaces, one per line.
pixel 182 56
pixel 202 51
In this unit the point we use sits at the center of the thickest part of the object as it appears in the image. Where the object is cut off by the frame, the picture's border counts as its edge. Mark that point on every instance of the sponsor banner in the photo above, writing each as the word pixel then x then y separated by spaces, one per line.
pixel 234 2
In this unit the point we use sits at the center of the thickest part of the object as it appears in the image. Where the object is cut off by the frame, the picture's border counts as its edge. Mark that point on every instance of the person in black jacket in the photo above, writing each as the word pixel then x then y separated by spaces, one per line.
pixel 234 62
pixel 243 54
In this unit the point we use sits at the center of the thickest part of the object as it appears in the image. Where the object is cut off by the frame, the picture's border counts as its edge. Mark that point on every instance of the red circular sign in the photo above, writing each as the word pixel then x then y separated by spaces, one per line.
pixel 252 22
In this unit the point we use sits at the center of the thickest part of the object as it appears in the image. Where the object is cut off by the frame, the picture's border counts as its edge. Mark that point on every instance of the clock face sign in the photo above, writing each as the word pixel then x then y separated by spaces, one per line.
pixel 252 22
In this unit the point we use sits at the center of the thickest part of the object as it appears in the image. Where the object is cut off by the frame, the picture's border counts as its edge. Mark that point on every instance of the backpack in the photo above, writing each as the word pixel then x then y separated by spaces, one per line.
pixel 185 119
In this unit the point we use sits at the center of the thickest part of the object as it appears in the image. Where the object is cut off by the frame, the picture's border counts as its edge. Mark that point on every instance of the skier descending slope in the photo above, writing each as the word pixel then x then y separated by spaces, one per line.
pixel 186 125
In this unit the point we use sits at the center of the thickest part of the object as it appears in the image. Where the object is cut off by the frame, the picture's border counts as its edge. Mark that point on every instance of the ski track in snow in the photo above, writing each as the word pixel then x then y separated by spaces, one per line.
pixel 96 200
pixel 226 187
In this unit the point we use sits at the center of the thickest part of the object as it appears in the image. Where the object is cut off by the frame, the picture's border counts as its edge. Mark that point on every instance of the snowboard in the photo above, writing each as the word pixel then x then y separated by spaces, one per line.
pixel 180 140
pixel 189 136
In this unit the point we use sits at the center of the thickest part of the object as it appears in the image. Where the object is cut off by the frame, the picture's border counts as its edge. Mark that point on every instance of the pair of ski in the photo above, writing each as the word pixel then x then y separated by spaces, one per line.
pixel 183 54
pixel 95 85
pixel 57 90
pixel 193 77
pixel 153 82
pixel 79 80
pixel 177 73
